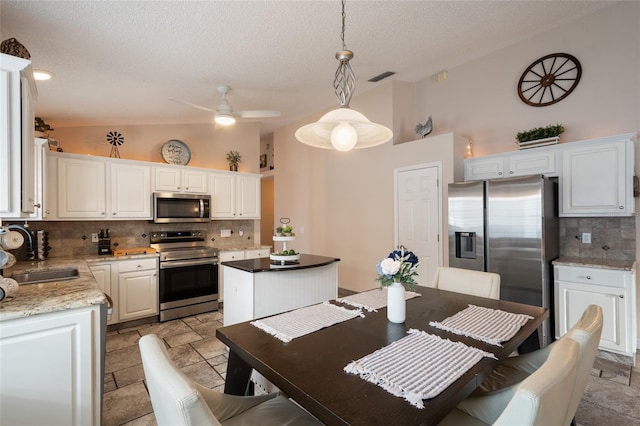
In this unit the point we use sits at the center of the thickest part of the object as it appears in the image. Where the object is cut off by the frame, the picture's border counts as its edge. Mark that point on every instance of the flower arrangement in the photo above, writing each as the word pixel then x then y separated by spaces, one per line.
pixel 400 266
pixel 233 157
pixel 550 131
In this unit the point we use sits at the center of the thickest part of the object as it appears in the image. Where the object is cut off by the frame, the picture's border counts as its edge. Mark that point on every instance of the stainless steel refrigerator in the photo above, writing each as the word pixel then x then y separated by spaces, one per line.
pixel 510 227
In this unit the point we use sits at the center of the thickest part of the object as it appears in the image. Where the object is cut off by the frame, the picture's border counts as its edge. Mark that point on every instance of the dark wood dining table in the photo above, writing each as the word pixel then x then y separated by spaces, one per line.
pixel 309 369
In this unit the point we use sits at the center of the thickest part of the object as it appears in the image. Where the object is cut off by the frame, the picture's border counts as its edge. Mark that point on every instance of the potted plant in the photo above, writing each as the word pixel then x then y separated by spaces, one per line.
pixel 41 127
pixel 551 131
pixel 233 157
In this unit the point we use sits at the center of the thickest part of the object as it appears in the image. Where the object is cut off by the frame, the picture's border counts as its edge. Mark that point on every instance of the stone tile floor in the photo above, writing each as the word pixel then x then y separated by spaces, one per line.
pixel 612 396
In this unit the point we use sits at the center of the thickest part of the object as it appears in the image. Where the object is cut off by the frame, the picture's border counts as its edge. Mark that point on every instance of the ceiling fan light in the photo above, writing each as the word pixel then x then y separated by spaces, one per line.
pixel 318 134
pixel 224 119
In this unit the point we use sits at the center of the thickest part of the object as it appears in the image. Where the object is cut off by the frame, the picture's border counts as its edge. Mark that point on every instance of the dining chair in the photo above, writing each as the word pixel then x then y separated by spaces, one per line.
pixel 177 400
pixel 586 332
pixel 539 400
pixel 475 283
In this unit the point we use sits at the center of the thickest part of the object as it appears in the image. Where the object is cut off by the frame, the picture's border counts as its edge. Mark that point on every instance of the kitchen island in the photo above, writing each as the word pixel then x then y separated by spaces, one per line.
pixel 256 288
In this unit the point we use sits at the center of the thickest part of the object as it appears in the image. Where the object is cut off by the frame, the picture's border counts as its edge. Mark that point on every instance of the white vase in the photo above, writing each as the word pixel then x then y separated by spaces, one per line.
pixel 396 303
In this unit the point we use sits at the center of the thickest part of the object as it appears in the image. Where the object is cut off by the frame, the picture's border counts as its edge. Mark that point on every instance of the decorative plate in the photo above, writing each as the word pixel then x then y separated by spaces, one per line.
pixel 176 152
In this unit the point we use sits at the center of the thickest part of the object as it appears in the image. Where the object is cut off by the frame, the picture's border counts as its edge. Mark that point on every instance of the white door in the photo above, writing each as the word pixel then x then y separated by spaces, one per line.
pixel 417 206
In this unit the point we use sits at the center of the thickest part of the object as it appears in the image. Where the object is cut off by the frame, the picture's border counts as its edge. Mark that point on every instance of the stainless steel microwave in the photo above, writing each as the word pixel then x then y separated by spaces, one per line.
pixel 169 207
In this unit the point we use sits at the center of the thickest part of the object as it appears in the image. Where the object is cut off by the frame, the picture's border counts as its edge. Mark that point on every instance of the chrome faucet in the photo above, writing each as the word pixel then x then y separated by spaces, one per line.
pixel 30 247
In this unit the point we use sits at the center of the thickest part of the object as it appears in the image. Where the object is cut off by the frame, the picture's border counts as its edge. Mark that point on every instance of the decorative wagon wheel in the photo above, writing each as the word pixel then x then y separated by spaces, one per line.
pixel 550 79
pixel 115 139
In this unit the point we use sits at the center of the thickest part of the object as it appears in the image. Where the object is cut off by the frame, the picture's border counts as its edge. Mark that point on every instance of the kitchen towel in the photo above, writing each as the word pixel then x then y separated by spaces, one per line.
pixel 372 300
pixel 300 322
pixel 488 325
pixel 418 366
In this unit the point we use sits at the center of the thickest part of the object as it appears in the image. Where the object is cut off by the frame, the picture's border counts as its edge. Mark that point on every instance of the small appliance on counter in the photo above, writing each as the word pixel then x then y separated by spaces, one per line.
pixel 104 242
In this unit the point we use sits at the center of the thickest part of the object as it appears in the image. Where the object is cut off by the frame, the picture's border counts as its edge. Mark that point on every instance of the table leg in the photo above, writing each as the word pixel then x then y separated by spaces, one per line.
pixel 238 374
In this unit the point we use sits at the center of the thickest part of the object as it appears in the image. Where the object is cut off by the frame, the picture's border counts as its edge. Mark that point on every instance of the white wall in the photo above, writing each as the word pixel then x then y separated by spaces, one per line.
pixel 344 201
pixel 208 143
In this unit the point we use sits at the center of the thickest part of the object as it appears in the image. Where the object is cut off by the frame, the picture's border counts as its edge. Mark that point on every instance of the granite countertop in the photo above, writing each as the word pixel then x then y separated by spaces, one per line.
pixel 265 264
pixel 54 296
pixel 624 265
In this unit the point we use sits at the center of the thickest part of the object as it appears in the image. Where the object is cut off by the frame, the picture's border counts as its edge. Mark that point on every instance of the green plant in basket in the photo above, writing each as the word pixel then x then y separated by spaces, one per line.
pixel 551 131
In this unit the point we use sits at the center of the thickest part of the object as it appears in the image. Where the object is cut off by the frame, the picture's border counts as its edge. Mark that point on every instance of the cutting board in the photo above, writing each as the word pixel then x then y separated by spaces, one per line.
pixel 133 250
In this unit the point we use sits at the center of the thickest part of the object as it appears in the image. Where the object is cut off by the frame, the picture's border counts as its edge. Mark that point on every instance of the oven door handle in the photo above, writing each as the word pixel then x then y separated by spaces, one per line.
pixel 190 262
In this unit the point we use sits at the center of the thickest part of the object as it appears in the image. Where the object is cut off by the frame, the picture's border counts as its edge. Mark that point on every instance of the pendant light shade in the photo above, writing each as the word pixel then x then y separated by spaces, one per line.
pixel 344 128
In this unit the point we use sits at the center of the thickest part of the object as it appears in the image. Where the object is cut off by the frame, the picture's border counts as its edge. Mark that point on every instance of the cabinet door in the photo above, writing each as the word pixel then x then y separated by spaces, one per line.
pixel 248 197
pixel 102 274
pixel 596 180
pixel 573 298
pixel 137 294
pixel 226 256
pixel 81 188
pixel 195 181
pixel 484 168
pixel 167 179
pixel 130 191
pixel 28 88
pixel 531 163
pixel 223 195
pixel 50 371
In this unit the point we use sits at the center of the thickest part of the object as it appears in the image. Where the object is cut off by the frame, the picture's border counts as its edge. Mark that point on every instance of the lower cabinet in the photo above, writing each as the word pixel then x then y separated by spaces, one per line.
pixel 614 290
pixel 229 255
pixel 132 285
pixel 51 370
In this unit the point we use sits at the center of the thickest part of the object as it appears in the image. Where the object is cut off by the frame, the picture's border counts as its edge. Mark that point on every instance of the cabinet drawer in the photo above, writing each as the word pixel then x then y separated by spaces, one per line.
pixel 227 256
pixel 258 253
pixel 596 276
pixel 138 265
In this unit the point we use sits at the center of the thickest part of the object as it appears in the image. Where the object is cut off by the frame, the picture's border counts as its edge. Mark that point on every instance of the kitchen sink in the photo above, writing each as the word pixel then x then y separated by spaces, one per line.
pixel 46 276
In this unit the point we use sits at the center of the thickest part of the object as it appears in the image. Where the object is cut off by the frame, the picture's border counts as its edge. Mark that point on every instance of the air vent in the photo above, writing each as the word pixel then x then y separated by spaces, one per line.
pixel 381 76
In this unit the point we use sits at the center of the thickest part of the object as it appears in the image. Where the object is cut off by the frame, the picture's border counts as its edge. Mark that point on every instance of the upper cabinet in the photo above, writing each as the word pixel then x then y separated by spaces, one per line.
pixel 595 176
pixel 17 151
pixel 175 179
pixel 520 163
pixel 81 187
pixel 82 184
pixel 235 195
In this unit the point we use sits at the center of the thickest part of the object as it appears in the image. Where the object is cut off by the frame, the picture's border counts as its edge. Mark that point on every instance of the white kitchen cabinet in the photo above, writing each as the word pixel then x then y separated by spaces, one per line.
pixel 227 256
pixel 81 188
pixel 519 163
pixel 130 191
pixel 613 290
pixel 105 275
pixel 180 179
pixel 257 253
pixel 51 369
pixel 81 185
pixel 137 288
pixel 597 178
pixel 235 196
pixel 17 98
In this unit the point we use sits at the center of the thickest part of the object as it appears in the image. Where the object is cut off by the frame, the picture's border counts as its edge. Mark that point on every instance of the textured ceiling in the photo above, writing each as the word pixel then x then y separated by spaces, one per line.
pixel 117 62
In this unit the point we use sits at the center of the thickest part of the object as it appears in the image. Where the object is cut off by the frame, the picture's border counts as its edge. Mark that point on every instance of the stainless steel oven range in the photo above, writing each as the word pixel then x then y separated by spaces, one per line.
pixel 188 273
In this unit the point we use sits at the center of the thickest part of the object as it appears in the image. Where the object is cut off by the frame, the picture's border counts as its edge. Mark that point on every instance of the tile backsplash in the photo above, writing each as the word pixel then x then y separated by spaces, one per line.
pixel 611 237
pixel 73 239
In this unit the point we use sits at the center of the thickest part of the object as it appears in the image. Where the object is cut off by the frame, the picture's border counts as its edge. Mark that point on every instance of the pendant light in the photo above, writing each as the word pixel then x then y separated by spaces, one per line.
pixel 344 128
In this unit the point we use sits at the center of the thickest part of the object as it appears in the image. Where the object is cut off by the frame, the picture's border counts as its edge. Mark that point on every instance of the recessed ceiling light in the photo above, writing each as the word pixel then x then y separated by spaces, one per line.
pixel 43 75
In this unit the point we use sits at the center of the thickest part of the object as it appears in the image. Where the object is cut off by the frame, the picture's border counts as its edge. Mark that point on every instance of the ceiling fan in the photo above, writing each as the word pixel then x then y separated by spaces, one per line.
pixel 225 115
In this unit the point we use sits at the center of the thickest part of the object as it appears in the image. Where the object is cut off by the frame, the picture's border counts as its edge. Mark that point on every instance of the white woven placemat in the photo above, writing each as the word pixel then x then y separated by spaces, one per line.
pixel 372 300
pixel 492 326
pixel 418 366
pixel 290 325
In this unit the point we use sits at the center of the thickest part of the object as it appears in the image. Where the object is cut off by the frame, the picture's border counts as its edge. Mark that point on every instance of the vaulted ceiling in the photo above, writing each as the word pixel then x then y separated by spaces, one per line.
pixel 117 62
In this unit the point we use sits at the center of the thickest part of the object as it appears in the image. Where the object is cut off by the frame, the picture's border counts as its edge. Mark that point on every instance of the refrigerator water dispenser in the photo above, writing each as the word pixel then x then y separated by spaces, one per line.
pixel 465 245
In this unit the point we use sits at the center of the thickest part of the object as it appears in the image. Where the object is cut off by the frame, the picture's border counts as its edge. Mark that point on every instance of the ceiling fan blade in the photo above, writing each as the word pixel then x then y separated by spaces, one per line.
pixel 192 105
pixel 257 114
